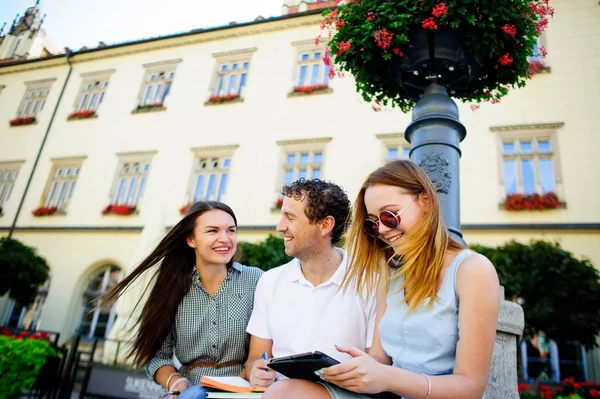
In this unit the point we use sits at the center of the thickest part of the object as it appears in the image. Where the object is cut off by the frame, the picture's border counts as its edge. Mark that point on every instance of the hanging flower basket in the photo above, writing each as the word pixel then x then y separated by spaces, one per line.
pixel 22 121
pixel 229 98
pixel 123 210
pixel 395 48
pixel 532 202
pixel 45 211
pixel 82 115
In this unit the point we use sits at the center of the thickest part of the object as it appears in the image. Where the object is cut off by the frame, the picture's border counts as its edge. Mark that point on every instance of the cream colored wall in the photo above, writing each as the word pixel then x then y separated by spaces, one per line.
pixel 567 94
pixel 74 258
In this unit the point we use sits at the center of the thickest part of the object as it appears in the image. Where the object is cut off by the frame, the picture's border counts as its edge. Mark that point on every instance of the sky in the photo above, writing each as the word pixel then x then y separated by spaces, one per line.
pixel 78 23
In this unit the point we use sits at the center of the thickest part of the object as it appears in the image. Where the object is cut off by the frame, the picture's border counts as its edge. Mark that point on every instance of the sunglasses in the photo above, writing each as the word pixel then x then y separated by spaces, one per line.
pixel 387 218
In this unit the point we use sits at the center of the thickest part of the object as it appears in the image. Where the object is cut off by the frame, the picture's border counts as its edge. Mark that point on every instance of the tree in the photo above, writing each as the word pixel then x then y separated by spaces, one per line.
pixel 22 271
pixel 560 293
pixel 264 255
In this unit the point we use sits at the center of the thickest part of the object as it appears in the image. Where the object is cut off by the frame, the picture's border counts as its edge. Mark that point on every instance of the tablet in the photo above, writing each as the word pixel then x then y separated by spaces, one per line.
pixel 303 365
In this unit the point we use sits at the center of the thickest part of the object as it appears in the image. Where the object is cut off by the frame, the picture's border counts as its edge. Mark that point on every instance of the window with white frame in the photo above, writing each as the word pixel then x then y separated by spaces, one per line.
pixel 8 175
pixel 231 73
pixel 34 99
pixel 529 159
pixel 394 146
pixel 211 173
pixel 157 83
pixel 131 180
pixel 27 317
pixel 61 183
pixel 538 53
pixel 310 69
pixel 96 321
pixel 92 91
pixel 302 159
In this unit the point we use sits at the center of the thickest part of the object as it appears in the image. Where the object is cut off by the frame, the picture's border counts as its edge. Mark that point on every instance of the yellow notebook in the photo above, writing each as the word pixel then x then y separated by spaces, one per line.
pixel 230 384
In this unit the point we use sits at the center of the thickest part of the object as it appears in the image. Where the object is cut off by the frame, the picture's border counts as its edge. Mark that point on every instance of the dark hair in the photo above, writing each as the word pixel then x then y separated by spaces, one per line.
pixel 176 260
pixel 323 199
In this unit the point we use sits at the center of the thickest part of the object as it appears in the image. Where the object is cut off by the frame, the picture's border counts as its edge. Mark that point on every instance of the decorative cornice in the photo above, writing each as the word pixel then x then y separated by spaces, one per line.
pixel 11 164
pixel 234 53
pixel 390 136
pixel 318 140
pixel 159 64
pixel 533 226
pixel 150 153
pixel 40 82
pixel 77 158
pixel 196 36
pixel 104 72
pixel 214 148
pixel 535 126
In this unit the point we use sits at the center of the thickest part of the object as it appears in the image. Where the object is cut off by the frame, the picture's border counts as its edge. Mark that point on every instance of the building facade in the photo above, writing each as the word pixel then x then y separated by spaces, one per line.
pixel 132 133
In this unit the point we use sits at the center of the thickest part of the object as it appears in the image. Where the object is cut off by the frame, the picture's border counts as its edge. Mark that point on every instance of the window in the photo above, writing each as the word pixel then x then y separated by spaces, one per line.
pixel 27 317
pixel 8 175
pixel 310 70
pixel 528 166
pixel 394 146
pixel 131 180
pixel 157 83
pixel 96 323
pixel 231 73
pixel 302 159
pixel 529 161
pixel 537 58
pixel 61 183
pixel 92 91
pixel 211 173
pixel 34 99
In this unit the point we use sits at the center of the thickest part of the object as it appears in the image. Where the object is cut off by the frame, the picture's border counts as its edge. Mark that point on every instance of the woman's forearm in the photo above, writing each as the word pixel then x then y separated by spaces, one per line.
pixel 416 386
pixel 164 373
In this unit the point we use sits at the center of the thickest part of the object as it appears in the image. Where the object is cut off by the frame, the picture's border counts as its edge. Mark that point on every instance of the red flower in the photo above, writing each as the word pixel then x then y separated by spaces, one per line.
pixel 119 210
pixel 383 38
pixel 397 52
pixel 429 23
pixel 223 99
pixel 510 29
pixel 439 10
pixel 45 211
pixel 505 60
pixel 308 89
pixel 183 210
pixel 278 203
pixel 22 121
pixel 594 393
pixel 82 114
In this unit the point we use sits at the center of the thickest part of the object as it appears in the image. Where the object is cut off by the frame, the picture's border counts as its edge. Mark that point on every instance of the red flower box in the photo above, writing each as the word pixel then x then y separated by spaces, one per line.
pixel 531 202
pixel 309 89
pixel 278 203
pixel 119 210
pixel 45 211
pixel 149 106
pixel 223 99
pixel 82 114
pixel 183 210
pixel 22 121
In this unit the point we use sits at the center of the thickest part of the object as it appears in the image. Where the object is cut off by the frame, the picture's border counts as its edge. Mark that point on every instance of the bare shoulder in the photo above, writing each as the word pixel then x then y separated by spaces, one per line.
pixel 478 269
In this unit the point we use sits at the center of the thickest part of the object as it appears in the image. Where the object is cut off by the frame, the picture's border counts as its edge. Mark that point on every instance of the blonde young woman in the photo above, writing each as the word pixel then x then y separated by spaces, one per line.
pixel 437 304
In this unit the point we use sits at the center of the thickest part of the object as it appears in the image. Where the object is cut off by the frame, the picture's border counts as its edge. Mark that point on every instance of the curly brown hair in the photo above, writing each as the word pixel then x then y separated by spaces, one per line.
pixel 323 199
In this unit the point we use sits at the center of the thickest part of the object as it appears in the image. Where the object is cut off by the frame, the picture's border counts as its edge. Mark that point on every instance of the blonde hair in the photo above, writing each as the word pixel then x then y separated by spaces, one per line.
pixel 426 244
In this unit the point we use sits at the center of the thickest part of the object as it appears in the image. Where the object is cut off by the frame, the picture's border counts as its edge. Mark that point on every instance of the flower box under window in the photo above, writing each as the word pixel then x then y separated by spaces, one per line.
pixel 314 89
pixel 229 98
pixel 532 202
pixel 183 210
pixel 149 108
pixel 124 210
pixel 23 121
pixel 82 115
pixel 45 211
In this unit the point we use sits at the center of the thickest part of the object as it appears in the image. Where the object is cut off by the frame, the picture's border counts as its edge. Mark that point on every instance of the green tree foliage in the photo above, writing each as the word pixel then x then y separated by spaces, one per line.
pixel 561 293
pixel 21 359
pixel 264 255
pixel 22 271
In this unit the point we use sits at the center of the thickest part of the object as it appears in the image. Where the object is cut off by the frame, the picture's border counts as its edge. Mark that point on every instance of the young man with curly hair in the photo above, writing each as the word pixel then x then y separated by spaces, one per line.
pixel 298 307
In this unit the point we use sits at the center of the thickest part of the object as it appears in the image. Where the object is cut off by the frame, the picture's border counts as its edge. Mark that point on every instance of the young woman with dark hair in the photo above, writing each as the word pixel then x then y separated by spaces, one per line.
pixel 200 303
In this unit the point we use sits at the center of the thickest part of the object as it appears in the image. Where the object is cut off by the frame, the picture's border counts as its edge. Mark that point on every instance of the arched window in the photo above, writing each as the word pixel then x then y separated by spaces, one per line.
pixel 96 323
pixel 28 317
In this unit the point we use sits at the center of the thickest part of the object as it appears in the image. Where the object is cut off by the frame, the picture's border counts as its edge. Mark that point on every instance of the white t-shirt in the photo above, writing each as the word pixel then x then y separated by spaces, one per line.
pixel 299 317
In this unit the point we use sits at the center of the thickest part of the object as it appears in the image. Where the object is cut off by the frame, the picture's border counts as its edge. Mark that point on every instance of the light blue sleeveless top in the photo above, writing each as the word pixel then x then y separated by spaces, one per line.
pixel 423 341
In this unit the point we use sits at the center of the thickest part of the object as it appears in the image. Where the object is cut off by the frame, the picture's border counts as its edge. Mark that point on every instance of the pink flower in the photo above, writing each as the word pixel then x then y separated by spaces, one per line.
pixel 439 10
pixel 510 29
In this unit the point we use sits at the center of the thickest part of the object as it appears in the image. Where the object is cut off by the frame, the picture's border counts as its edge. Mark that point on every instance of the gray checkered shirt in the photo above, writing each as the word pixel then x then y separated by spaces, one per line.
pixel 211 328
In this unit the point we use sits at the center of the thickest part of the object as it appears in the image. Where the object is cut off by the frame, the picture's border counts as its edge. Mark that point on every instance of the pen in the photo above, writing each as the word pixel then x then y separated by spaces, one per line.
pixel 264 356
